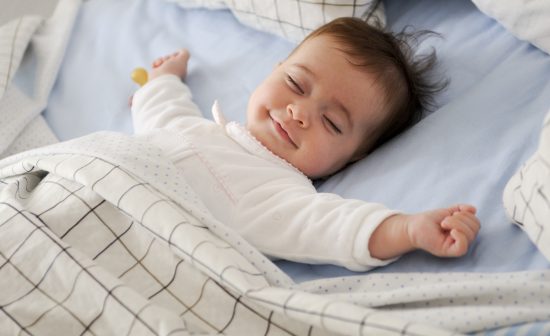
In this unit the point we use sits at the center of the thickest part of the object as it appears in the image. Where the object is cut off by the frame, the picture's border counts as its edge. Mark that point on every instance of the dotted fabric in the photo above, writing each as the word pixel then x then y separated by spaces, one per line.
pixel 21 126
pixel 98 235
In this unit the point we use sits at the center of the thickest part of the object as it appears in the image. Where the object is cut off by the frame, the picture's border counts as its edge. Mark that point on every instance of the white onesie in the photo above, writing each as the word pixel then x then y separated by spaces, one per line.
pixel 264 198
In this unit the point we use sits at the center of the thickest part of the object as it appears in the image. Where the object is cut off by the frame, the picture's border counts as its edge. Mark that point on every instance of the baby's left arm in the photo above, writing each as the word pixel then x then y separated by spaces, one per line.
pixel 444 232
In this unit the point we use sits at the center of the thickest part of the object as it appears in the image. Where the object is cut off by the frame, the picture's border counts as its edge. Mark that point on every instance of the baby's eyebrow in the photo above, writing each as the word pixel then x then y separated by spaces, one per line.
pixel 304 69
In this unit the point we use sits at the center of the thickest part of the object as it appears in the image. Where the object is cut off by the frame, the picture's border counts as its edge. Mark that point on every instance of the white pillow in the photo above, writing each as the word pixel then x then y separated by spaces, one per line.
pixel 527 19
pixel 527 194
pixel 291 19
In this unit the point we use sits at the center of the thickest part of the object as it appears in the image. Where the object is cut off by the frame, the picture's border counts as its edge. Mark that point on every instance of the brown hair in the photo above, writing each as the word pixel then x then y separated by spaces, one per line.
pixel 405 79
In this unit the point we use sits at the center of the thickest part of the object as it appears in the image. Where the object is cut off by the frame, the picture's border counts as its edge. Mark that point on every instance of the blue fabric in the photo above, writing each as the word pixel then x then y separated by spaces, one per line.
pixel 465 151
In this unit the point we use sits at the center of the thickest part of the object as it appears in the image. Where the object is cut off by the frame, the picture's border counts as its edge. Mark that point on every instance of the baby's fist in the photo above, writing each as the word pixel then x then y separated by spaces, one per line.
pixel 445 232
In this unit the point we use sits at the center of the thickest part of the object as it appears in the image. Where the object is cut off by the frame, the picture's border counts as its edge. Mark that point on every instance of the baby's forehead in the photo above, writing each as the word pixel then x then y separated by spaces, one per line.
pixel 321 42
pixel 333 47
pixel 324 55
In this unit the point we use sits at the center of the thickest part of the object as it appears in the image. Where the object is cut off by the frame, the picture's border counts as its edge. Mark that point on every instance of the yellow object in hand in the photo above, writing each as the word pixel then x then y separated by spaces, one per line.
pixel 139 75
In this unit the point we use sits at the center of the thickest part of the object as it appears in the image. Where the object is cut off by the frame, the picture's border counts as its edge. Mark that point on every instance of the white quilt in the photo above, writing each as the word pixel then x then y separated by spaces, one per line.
pixel 102 234
pixel 527 19
pixel 33 45
pixel 527 194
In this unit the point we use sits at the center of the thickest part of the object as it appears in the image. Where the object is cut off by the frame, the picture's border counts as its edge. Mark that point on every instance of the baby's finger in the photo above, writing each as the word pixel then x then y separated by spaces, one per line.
pixel 470 220
pixel 460 245
pixel 157 62
pixel 467 207
pixel 462 207
pixel 458 222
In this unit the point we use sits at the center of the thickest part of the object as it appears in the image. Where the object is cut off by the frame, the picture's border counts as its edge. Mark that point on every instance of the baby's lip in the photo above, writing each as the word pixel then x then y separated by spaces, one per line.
pixel 283 132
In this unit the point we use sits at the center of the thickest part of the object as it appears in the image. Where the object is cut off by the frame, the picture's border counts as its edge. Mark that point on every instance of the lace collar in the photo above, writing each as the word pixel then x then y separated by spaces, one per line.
pixel 243 137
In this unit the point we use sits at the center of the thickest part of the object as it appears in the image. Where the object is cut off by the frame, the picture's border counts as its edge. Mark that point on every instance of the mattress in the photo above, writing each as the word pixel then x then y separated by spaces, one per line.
pixel 486 125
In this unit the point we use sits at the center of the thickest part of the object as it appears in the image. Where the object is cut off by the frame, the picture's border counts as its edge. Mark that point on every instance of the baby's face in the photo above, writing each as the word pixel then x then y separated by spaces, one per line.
pixel 316 108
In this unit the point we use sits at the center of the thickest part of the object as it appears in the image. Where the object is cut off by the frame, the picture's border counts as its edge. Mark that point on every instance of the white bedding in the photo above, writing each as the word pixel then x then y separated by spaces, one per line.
pixel 526 196
pixel 526 19
pixel 292 19
pixel 21 102
pixel 104 235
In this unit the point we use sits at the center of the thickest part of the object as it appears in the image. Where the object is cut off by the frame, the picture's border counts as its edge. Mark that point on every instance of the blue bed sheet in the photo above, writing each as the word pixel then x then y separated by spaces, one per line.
pixel 465 151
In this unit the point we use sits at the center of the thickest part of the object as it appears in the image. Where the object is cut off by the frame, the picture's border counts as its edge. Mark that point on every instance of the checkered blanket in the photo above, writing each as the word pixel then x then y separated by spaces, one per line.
pixel 102 235
pixel 527 194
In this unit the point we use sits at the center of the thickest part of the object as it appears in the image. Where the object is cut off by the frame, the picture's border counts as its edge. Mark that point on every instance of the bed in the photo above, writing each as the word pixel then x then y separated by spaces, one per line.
pixel 96 238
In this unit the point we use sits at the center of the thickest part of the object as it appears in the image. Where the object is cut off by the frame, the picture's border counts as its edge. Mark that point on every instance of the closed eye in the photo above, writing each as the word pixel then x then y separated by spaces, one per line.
pixel 294 84
pixel 332 125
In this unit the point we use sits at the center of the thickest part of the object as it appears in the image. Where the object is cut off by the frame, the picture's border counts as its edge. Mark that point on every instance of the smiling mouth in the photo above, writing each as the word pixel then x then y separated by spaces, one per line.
pixel 284 134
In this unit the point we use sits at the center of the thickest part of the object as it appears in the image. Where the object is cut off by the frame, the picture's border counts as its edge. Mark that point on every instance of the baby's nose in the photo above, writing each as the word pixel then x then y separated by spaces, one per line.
pixel 299 114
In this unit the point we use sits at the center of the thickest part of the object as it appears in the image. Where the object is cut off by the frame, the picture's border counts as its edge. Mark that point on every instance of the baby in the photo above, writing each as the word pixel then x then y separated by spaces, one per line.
pixel 347 88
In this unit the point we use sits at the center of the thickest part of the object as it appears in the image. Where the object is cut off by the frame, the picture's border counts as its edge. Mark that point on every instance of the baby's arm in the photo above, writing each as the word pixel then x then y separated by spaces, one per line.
pixel 442 232
pixel 165 101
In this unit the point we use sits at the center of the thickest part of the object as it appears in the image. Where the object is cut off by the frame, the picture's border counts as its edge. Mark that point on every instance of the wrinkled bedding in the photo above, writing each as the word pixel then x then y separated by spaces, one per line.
pixel 102 234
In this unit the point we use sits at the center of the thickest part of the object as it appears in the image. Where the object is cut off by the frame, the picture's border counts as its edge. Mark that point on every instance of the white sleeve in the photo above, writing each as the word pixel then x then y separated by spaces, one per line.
pixel 164 102
pixel 297 223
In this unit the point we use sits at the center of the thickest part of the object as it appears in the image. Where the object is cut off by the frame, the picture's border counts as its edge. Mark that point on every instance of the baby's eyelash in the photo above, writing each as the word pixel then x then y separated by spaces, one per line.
pixel 333 126
pixel 294 84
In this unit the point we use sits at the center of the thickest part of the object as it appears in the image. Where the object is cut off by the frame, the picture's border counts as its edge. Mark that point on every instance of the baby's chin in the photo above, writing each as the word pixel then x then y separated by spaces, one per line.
pixel 315 170
pixel 312 171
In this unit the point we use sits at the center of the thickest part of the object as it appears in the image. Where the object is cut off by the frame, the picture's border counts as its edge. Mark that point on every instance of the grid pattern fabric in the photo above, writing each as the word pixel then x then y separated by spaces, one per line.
pixel 94 246
pixel 292 19
pixel 527 194
pixel 65 249
pixel 95 235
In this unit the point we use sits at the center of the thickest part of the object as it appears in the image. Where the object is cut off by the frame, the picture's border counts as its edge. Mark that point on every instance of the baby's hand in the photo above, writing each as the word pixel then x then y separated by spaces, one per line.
pixel 173 64
pixel 444 232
